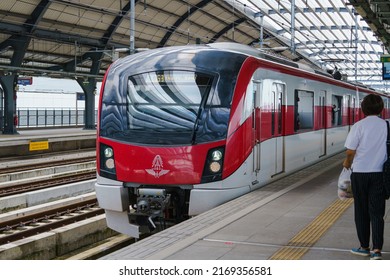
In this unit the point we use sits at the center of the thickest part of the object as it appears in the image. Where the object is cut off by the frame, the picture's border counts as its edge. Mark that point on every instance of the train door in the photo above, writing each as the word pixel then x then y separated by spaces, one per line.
pixel 352 110
pixel 256 126
pixel 269 107
pixel 345 110
pixel 321 118
pixel 277 124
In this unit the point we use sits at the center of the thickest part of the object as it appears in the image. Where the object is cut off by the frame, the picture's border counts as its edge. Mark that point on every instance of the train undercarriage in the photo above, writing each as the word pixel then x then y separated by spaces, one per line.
pixel 154 208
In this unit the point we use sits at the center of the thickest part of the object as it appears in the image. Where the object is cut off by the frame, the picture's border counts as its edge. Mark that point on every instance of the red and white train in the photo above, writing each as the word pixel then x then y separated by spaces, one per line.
pixel 184 129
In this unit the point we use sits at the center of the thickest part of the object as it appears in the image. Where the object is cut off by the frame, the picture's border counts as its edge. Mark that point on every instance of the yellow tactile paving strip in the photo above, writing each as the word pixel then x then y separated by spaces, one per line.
pixel 306 238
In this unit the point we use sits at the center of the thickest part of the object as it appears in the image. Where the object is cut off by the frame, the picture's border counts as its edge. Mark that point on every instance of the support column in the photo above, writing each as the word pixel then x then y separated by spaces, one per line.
pixel 9 83
pixel 89 88
pixel 293 26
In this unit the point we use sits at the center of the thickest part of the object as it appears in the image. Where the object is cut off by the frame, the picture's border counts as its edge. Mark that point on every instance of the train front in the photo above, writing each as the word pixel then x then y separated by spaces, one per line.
pixel 162 133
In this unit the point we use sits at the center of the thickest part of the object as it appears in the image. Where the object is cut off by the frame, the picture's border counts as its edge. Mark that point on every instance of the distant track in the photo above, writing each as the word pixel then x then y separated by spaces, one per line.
pixel 30 166
pixel 33 224
pixel 60 179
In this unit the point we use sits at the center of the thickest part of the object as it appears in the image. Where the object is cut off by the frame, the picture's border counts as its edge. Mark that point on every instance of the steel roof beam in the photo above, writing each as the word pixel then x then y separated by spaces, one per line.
pixel 328 52
pixel 181 19
pixel 20 43
pixel 316 43
pixel 55 36
pixel 226 29
pixel 366 12
pixel 362 68
pixel 116 22
pixel 308 10
pixel 37 15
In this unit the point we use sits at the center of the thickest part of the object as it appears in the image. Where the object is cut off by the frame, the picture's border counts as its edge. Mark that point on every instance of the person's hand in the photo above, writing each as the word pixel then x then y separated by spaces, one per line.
pixel 347 164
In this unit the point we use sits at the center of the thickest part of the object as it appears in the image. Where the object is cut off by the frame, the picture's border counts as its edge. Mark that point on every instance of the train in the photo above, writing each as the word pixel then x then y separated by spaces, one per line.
pixel 183 129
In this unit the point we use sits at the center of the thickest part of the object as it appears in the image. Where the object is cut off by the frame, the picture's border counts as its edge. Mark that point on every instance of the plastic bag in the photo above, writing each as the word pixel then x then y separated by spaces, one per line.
pixel 344 187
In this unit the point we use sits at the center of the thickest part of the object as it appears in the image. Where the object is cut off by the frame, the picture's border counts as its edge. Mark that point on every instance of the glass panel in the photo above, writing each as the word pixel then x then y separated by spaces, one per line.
pixel 162 107
pixel 168 100
pixel 304 109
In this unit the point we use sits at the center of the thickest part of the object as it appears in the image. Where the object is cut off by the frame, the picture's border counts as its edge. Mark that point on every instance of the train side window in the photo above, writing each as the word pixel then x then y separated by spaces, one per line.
pixel 273 110
pixel 337 110
pixel 303 110
pixel 280 89
pixel 249 100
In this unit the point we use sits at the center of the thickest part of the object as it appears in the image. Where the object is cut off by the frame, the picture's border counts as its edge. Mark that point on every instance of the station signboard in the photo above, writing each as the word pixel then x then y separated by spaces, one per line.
pixel 80 96
pixel 385 59
pixel 39 145
pixel 24 81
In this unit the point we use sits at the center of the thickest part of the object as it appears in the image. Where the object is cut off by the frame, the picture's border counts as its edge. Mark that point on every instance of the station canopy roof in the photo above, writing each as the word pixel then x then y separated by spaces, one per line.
pixel 81 38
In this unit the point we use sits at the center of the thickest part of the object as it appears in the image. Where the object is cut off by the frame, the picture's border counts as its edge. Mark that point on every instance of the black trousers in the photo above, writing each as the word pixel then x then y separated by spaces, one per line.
pixel 370 206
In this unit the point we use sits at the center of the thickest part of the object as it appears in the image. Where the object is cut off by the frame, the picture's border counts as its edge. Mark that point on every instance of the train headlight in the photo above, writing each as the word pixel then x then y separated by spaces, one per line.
pixel 213 165
pixel 108 152
pixel 216 155
pixel 107 162
pixel 109 158
pixel 110 163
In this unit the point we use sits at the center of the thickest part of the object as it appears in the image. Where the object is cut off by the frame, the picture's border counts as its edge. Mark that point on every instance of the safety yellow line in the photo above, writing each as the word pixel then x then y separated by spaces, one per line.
pixel 306 238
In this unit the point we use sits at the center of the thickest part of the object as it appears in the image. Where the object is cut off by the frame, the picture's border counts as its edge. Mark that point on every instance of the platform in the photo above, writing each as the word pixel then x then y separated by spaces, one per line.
pixel 51 139
pixel 297 217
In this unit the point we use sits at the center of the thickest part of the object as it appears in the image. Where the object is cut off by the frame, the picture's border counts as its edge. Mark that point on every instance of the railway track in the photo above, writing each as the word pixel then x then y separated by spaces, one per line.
pixel 39 165
pixel 19 224
pixel 47 219
pixel 22 176
pixel 27 220
pixel 56 180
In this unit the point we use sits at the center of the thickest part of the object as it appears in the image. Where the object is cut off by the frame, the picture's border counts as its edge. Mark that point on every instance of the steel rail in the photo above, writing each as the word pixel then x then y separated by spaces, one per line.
pixel 34 166
pixel 30 225
pixel 59 179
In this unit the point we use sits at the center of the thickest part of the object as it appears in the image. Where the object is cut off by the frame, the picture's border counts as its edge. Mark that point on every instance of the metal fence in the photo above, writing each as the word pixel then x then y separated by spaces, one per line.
pixel 45 117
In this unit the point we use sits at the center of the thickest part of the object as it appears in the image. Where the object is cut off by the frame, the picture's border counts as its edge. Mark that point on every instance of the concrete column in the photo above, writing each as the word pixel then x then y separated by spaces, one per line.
pixel 89 88
pixel 9 83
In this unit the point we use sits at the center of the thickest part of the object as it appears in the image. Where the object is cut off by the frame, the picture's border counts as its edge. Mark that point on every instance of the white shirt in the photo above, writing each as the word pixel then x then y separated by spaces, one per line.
pixel 368 138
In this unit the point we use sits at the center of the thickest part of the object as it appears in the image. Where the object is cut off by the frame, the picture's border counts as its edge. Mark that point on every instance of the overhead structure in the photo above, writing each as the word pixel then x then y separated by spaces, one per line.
pixel 331 33
pixel 79 39
pixel 377 15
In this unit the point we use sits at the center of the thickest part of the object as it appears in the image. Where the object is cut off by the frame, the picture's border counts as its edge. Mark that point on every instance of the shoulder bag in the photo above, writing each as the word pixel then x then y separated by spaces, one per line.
pixel 386 166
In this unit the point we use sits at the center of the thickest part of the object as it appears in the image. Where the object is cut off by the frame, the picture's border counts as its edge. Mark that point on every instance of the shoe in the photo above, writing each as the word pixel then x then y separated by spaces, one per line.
pixel 361 252
pixel 376 256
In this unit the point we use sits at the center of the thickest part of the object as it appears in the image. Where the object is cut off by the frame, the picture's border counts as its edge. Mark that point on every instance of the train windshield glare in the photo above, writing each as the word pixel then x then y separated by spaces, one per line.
pixel 166 103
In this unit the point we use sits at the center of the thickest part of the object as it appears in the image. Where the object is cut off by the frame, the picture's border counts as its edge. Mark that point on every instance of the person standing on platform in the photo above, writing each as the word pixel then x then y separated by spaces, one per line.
pixel 366 153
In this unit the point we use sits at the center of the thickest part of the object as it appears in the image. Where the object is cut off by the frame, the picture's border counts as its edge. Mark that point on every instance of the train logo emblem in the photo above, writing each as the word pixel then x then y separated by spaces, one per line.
pixel 157 167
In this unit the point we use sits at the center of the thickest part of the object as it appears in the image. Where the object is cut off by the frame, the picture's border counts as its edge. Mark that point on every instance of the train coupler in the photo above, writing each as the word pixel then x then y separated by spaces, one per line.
pixel 151 204
pixel 143 221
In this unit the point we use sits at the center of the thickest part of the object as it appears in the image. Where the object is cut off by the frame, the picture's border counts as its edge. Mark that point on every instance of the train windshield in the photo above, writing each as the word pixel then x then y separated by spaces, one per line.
pixel 164 107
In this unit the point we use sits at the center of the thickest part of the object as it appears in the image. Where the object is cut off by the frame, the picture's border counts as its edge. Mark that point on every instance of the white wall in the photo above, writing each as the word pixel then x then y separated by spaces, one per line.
pixel 34 100
pixel 51 93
